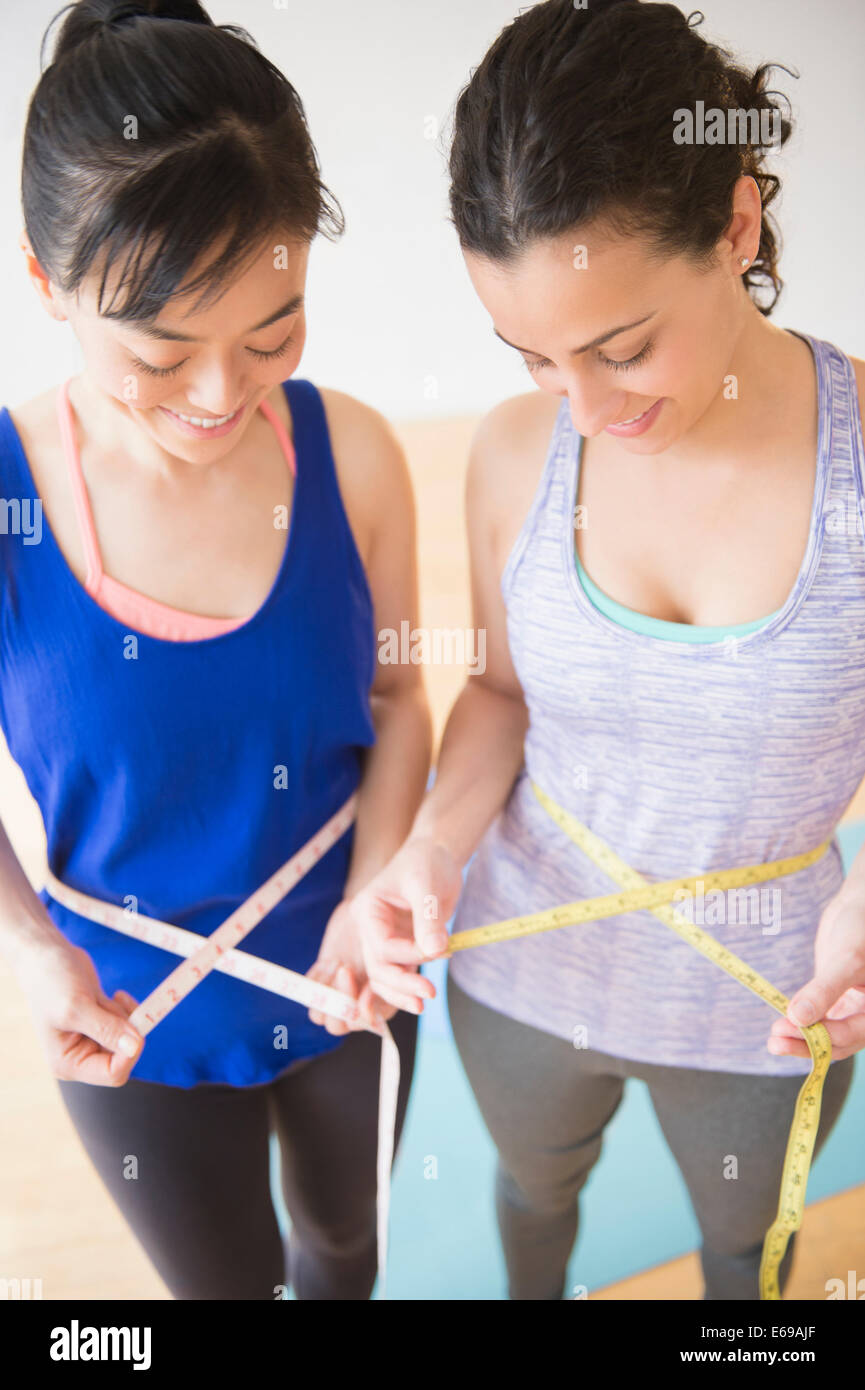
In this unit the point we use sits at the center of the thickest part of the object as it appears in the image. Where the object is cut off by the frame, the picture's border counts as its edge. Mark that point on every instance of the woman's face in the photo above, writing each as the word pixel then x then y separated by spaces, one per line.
pixel 231 354
pixel 625 336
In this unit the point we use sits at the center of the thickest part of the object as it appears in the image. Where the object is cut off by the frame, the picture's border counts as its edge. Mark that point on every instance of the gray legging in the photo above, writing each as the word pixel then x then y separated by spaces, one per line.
pixel 546 1104
pixel 200 1202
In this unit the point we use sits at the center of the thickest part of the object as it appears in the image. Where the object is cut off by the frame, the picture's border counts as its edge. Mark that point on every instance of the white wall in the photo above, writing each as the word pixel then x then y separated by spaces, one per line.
pixel 391 306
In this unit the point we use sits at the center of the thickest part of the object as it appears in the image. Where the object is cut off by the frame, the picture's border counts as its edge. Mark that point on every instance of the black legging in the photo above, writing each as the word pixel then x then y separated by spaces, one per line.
pixel 189 1170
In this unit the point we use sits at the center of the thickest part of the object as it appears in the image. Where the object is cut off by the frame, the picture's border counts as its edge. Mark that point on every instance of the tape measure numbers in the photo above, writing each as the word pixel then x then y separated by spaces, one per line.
pixel 203 954
pixel 636 893
pixel 216 952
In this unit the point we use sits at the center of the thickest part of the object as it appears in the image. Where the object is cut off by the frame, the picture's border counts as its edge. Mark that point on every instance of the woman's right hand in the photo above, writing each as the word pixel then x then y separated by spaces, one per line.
pixel 402 914
pixel 82 1032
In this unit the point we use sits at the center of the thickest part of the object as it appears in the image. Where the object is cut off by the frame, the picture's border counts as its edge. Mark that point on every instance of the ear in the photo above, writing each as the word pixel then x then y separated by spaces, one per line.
pixel 42 284
pixel 742 233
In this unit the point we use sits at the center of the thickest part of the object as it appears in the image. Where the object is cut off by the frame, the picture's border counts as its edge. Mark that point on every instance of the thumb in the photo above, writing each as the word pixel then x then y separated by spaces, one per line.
pixel 814 1000
pixel 430 936
pixel 111 1031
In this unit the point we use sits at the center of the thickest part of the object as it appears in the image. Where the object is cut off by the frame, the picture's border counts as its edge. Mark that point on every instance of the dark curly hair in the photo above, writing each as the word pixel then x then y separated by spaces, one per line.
pixel 221 150
pixel 570 117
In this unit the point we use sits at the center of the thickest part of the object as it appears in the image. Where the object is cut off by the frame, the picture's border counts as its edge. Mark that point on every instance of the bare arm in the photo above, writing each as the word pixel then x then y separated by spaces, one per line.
pixel 482 747
pixel 376 490
pixel 404 910
pixel 25 925
pixel 85 1035
pixel 376 487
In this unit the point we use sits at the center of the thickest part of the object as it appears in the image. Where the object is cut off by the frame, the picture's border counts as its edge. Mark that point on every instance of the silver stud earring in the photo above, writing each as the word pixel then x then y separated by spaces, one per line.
pixel 744 262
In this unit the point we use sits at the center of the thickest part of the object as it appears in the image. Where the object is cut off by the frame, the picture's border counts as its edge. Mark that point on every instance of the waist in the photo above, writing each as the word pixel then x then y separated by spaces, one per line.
pixel 526 850
pixel 662 825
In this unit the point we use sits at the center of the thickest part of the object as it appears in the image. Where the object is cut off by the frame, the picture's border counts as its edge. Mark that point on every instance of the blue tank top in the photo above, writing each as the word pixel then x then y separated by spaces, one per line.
pixel 183 774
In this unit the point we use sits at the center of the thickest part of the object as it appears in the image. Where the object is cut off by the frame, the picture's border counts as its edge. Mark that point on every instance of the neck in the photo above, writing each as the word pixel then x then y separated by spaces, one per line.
pixel 112 428
pixel 753 400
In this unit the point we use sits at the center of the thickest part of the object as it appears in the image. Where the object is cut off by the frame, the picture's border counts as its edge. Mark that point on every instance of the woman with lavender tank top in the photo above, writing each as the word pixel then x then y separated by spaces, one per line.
pixel 668 561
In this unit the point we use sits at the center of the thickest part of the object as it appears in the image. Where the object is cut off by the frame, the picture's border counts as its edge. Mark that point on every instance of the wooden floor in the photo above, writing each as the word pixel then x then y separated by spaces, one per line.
pixel 57 1223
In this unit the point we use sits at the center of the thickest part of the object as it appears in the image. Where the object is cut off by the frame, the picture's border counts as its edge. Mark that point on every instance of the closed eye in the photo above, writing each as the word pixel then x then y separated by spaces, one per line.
pixel 277 352
pixel 150 370
pixel 627 366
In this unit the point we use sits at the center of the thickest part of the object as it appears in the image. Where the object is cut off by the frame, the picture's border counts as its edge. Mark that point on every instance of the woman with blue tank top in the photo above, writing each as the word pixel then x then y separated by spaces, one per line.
pixel 668 560
pixel 188 662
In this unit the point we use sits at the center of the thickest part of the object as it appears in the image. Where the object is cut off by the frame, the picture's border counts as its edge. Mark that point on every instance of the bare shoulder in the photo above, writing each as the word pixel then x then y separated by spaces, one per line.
pixel 859 368
pixel 347 416
pixel 371 466
pixel 508 452
pixel 38 429
pixel 36 419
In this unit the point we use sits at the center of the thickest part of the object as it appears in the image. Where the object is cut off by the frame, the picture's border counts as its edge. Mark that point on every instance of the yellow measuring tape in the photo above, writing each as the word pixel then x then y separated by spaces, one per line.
pixel 636 892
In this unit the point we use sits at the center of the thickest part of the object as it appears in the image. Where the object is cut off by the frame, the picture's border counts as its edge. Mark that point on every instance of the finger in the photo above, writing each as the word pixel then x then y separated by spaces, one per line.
pixel 380 938
pixel 373 1008
pixel 431 938
pixel 838 1010
pixel 112 1032
pixel 362 1019
pixel 113 1005
pixel 405 981
pixel 346 981
pixel 846 1035
pixel 813 1000
pixel 128 1001
pixel 850 1003
pixel 346 984
pixel 409 1003
pixel 788 1047
pixel 398 949
pixel 783 1028
pixel 843 1032
pixel 84 1060
pixel 321 972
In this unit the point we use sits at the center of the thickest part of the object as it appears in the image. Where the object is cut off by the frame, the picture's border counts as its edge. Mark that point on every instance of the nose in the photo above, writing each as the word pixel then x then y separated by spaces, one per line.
pixel 217 390
pixel 593 406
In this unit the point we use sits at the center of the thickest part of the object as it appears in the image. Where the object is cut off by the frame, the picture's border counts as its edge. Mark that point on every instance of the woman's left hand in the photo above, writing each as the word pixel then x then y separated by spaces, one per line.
pixel 836 992
pixel 340 965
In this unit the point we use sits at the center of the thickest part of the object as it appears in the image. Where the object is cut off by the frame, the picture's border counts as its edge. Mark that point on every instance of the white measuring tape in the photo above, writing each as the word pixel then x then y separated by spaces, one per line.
pixel 216 952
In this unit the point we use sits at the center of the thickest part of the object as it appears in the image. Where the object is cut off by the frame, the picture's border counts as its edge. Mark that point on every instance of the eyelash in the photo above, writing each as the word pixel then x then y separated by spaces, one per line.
pixel 170 371
pixel 627 366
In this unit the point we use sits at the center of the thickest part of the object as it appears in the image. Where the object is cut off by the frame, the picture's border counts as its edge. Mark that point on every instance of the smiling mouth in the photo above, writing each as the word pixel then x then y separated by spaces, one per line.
pixel 204 422
pixel 634 418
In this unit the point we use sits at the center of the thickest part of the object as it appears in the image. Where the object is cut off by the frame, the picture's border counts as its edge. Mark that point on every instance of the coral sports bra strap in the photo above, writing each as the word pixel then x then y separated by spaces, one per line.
pixel 95 574
pixel 282 434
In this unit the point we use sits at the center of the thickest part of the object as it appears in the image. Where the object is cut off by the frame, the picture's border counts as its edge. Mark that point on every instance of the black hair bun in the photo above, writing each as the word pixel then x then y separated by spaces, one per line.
pixel 188 10
pixel 88 18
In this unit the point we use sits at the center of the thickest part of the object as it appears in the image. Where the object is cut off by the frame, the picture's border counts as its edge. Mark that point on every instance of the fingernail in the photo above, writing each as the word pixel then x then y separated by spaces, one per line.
pixel 803 1011
pixel 434 942
pixel 128 1045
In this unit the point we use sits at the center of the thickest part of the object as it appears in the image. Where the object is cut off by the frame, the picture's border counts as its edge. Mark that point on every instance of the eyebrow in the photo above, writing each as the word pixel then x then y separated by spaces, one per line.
pixel 596 342
pixel 152 330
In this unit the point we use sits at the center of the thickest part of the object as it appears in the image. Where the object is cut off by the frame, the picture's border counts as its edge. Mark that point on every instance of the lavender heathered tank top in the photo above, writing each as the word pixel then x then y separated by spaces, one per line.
pixel 684 757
